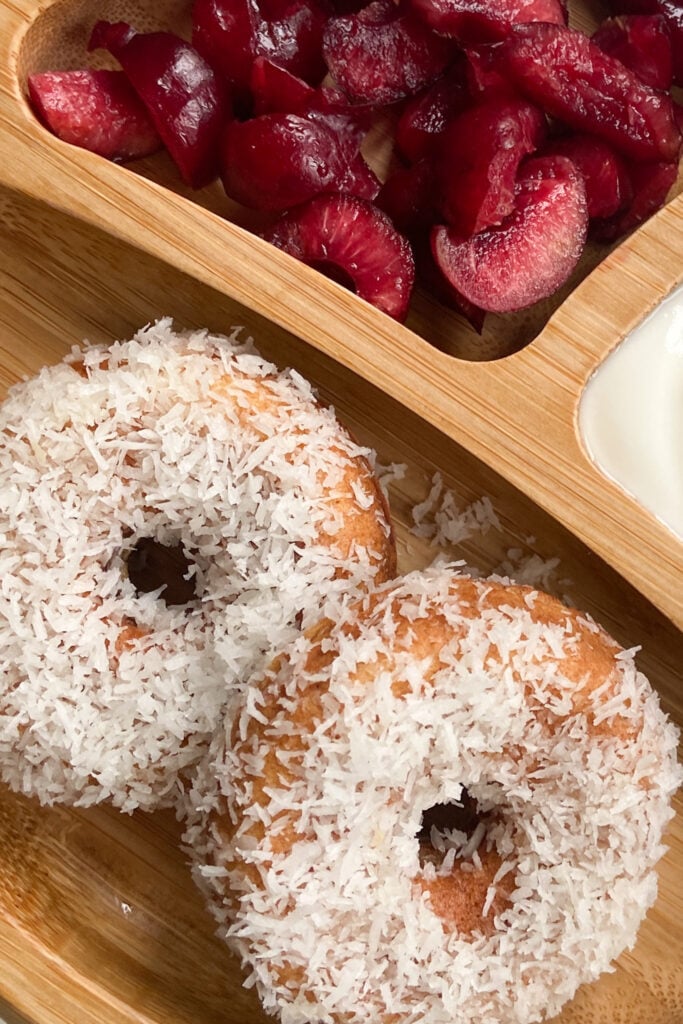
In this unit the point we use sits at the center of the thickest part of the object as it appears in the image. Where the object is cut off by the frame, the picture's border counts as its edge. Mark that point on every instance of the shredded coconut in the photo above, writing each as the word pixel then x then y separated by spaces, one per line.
pixel 387 474
pixel 442 519
pixel 529 569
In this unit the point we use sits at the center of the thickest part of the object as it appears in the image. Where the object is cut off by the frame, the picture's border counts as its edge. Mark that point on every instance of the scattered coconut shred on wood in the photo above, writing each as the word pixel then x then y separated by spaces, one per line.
pixel 441 519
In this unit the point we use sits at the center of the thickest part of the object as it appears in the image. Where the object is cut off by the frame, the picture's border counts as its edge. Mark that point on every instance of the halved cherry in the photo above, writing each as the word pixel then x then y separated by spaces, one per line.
pixel 185 101
pixel 533 251
pixel 477 160
pixel 278 160
pixel 383 54
pixel 96 110
pixel 351 240
pixel 643 43
pixel 571 78
pixel 485 21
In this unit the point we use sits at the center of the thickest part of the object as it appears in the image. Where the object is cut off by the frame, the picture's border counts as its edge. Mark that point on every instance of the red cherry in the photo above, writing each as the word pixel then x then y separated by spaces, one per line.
pixel 528 256
pixel 351 239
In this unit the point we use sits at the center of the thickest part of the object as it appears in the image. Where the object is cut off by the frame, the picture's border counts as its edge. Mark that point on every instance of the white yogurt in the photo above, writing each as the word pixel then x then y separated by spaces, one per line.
pixel 631 413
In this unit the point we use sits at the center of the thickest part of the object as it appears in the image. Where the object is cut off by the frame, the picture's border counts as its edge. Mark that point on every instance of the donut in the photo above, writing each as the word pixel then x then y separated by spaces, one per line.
pixel 181 455
pixel 446 805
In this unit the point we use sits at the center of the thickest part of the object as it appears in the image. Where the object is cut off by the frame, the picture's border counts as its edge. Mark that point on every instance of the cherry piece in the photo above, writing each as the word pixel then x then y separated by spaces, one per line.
pixel 185 101
pixel 232 33
pixel 351 239
pixel 275 89
pixel 279 160
pixel 96 110
pixel 608 185
pixel 571 78
pixel 425 117
pixel 294 40
pixel 528 256
pixel 650 185
pixel 383 54
pixel 672 12
pixel 477 161
pixel 643 43
pixel 483 21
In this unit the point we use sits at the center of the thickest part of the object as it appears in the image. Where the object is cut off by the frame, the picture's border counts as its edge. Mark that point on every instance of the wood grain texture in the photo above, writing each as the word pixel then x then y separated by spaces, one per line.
pixel 516 414
pixel 99 920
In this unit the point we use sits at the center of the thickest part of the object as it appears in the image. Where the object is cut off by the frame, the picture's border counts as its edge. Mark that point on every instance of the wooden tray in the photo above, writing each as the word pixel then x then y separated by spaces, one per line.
pixel 516 414
pixel 99 920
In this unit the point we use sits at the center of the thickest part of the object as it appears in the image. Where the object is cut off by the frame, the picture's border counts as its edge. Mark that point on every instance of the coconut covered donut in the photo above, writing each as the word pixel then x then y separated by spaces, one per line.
pixel 314 844
pixel 173 509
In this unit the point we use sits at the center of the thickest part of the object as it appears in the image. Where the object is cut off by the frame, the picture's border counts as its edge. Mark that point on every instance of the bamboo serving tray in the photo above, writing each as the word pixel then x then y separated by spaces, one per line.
pixel 517 414
pixel 99 920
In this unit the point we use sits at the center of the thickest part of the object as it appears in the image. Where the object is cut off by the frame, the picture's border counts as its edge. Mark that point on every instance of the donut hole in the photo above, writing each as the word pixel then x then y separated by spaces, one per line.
pixel 468 883
pixel 153 565
pixel 457 824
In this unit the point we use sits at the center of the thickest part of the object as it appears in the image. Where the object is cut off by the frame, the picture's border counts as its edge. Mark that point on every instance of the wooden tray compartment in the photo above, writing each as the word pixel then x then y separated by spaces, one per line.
pixel 516 414
pixel 99 920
